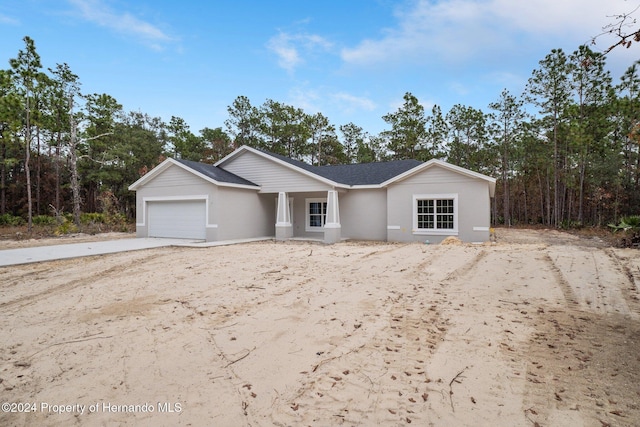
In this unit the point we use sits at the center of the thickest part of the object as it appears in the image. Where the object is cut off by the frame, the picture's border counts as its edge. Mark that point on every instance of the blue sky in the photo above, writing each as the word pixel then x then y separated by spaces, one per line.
pixel 351 60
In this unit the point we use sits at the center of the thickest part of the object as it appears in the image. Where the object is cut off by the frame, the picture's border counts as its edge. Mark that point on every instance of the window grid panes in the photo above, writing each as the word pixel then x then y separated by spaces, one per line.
pixel 425 213
pixel 435 214
pixel 444 214
pixel 317 214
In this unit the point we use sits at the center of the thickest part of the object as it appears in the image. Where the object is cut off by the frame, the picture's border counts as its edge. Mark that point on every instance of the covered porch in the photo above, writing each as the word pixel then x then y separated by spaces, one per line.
pixel 313 215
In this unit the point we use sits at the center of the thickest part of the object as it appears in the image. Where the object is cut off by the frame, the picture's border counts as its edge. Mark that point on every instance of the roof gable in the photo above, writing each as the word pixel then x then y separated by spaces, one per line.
pixel 453 168
pixel 280 160
pixel 208 172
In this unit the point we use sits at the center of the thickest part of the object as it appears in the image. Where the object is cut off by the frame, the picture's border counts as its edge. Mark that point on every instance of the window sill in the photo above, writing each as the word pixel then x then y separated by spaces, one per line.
pixel 434 232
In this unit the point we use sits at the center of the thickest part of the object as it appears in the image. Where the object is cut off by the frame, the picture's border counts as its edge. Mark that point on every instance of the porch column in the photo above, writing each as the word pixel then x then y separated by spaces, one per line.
pixel 284 227
pixel 332 225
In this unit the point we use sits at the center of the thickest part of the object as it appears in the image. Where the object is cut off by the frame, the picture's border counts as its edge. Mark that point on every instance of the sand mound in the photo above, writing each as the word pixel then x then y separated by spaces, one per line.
pixel 451 240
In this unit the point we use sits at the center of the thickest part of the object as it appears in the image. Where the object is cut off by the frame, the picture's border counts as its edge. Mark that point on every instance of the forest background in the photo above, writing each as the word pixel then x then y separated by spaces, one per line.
pixel 565 152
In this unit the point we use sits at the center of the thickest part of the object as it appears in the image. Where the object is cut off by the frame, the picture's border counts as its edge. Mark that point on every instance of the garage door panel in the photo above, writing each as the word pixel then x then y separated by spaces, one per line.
pixel 184 219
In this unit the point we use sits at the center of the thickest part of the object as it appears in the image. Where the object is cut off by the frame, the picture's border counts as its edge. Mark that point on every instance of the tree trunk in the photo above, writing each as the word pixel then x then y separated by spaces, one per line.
pixel 58 176
pixel 38 172
pixel 27 172
pixel 526 215
pixel 549 219
pixel 3 181
pixel 542 196
pixel 73 159
pixel 556 180
pixel 505 183
pixel 581 193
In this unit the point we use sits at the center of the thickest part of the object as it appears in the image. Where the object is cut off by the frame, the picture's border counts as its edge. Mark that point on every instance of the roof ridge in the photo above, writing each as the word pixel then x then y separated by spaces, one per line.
pixel 370 173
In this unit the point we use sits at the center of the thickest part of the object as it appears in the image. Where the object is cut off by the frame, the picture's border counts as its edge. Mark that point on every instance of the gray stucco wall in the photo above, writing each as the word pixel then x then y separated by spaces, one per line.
pixel 298 216
pixel 473 205
pixel 363 214
pixel 242 214
pixel 232 213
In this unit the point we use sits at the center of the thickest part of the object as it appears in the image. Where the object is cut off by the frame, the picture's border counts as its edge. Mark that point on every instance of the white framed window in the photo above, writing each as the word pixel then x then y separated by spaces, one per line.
pixel 435 214
pixel 315 214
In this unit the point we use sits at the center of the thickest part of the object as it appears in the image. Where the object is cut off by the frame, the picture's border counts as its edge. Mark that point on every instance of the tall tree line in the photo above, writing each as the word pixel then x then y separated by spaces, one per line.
pixel 565 152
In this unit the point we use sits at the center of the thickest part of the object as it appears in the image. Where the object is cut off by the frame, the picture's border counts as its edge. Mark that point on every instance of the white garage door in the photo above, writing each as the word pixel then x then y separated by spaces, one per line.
pixel 184 219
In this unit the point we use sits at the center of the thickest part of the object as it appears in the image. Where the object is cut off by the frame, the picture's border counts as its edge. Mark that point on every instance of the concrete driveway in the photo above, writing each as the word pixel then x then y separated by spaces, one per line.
pixel 74 250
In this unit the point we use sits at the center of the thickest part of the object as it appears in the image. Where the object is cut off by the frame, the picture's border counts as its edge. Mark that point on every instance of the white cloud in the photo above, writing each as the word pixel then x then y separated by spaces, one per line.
pixel 290 47
pixel 282 46
pixel 424 30
pixel 581 18
pixel 305 98
pixel 4 19
pixel 459 88
pixel 351 103
pixel 121 22
pixel 457 30
pixel 505 79
pixel 323 99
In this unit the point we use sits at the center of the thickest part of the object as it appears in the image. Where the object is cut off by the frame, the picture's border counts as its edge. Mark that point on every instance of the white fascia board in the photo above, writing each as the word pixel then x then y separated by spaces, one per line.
pixel 366 187
pixel 232 185
pixel 282 163
pixel 230 155
pixel 169 162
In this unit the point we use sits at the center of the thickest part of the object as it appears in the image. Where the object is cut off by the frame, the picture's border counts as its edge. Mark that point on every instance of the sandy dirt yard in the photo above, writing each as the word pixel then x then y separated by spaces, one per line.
pixel 540 328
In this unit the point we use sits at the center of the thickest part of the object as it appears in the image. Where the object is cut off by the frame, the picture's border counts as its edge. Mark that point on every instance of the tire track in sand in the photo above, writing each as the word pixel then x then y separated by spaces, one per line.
pixel 387 372
pixel 568 293
pixel 630 289
pixel 92 276
pixel 462 271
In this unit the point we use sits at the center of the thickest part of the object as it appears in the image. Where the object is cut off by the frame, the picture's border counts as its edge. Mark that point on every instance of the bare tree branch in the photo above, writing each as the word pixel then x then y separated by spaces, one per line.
pixel 623 28
pixel 98 136
pixel 86 156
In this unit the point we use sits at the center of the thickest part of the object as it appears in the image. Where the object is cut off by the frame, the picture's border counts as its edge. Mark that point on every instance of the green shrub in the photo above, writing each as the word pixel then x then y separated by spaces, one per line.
pixel 44 220
pixel 67 227
pixel 631 222
pixel 92 218
pixel 116 219
pixel 8 219
pixel 570 225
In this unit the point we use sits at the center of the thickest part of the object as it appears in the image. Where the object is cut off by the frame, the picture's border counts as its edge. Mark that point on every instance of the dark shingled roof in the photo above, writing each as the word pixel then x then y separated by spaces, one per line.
pixel 355 174
pixel 366 173
pixel 215 173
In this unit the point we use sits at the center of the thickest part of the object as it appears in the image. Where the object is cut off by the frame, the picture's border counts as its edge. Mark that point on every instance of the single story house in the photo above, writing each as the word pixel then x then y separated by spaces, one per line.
pixel 253 193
